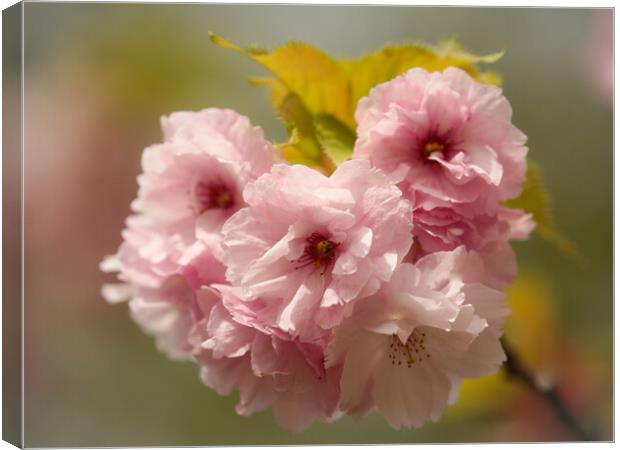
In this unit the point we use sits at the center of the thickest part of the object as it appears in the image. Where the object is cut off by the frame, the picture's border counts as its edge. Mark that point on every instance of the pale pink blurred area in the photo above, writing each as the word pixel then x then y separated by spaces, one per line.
pixel 76 159
pixel 74 162
pixel 598 58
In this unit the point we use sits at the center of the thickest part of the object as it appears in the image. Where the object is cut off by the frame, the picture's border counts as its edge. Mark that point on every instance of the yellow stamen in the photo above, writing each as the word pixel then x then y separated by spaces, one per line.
pixel 324 247
pixel 410 359
pixel 323 251
pixel 223 199
pixel 433 146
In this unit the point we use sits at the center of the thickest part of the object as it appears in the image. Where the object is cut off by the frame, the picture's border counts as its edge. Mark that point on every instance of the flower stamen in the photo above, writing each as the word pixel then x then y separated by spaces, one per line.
pixel 319 251
pixel 433 146
pixel 411 352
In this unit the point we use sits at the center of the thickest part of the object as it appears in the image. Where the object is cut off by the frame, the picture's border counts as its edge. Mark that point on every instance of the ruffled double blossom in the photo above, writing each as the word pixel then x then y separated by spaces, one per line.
pixel 449 144
pixel 377 287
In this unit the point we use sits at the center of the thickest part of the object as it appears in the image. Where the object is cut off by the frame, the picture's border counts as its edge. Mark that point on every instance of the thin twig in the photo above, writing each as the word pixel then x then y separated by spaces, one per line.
pixel 515 369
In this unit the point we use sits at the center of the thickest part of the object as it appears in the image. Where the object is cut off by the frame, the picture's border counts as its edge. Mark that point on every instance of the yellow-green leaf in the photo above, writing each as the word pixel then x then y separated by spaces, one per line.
pixel 490 77
pixel 276 88
pixel 303 146
pixel 295 152
pixel 382 66
pixel 311 74
pixel 450 49
pixel 300 125
pixel 336 138
pixel 295 115
pixel 534 199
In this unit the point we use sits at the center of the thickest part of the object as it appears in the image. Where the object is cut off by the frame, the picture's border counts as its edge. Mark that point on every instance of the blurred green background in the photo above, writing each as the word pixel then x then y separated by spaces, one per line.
pixel 99 76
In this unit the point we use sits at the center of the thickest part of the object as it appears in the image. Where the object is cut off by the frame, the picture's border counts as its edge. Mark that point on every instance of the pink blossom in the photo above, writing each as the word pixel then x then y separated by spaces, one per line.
pixel 439 226
pixel 450 144
pixel 158 277
pixel 313 295
pixel 164 313
pixel 310 244
pixel 194 181
pixel 269 368
pixel 406 348
pixel 444 134
pixel 500 264
pixel 147 257
pixel 191 184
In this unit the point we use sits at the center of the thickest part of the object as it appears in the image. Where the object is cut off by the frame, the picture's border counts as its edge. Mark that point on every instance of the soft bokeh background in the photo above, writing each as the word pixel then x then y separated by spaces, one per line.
pixel 99 76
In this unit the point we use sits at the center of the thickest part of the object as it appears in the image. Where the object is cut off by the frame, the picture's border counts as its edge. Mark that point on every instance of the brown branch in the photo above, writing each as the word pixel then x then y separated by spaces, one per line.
pixel 515 369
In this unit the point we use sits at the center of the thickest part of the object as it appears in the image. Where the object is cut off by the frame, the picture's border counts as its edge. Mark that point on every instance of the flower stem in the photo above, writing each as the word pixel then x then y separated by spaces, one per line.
pixel 515 369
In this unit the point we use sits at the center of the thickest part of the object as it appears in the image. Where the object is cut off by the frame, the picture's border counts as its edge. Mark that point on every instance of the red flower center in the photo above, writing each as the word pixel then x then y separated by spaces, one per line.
pixel 435 142
pixel 213 196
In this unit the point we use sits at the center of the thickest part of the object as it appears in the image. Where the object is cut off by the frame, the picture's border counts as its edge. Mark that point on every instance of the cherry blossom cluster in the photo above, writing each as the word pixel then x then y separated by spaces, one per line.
pixel 377 287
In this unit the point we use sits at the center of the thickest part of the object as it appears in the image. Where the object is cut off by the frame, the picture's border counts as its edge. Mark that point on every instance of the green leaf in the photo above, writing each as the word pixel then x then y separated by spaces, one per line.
pixel 299 123
pixel 534 199
pixel 303 146
pixel 296 152
pixel 335 137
